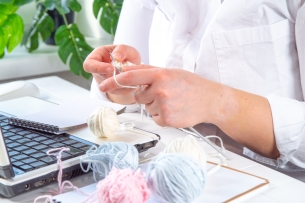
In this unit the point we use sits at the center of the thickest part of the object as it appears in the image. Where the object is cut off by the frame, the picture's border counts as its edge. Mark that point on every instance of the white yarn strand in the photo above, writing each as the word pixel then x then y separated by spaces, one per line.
pixel 118 66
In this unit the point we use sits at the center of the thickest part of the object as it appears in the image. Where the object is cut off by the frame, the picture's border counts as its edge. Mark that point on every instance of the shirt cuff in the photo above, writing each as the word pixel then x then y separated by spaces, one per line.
pixel 289 124
pixel 289 129
pixel 97 94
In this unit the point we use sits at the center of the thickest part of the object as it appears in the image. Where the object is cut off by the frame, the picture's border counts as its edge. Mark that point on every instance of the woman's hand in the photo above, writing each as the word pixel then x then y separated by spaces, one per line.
pixel 98 63
pixel 177 98
pixel 173 97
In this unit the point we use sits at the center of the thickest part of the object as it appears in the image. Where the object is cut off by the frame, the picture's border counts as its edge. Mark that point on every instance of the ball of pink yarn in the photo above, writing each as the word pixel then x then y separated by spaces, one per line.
pixel 122 186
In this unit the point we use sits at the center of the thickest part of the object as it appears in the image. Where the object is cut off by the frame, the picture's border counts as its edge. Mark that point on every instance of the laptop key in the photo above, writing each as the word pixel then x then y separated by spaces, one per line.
pixel 31 144
pixel 17 171
pixel 18 163
pixel 62 138
pixel 13 153
pixel 48 142
pixel 66 156
pixel 86 148
pixel 23 141
pixel 31 136
pixel 38 155
pixel 57 145
pixel 20 157
pixel 4 131
pixel 78 145
pixel 26 167
pixel 13 145
pixel 38 164
pixel 75 152
pixel 8 134
pixel 30 151
pixel 69 142
pixel 7 141
pixel 8 127
pixel 16 137
pixel 40 147
pixel 21 148
pixel 14 130
pixel 48 160
pixel 22 133
pixel 40 138
pixel 12 160
pixel 30 160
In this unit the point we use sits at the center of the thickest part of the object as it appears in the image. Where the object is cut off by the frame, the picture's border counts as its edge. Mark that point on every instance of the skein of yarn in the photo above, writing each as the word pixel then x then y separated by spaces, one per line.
pixel 103 122
pixel 187 145
pixel 123 185
pixel 102 159
pixel 175 178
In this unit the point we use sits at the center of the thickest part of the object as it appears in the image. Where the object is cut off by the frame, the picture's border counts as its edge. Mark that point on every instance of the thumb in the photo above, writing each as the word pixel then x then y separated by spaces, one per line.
pixel 126 53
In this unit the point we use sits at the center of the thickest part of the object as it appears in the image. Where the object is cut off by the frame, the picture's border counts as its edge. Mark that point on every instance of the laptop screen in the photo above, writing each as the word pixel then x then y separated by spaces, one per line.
pixel 6 168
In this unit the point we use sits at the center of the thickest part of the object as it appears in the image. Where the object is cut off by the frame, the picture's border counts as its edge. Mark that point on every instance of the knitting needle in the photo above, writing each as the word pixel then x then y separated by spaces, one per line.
pixel 114 63
pixel 209 142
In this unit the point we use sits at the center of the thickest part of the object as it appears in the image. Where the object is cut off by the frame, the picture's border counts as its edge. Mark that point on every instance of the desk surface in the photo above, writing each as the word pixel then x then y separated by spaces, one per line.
pixel 282 188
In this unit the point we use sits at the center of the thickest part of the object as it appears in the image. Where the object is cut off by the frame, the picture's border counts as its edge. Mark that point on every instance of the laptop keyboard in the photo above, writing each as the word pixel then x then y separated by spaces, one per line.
pixel 27 148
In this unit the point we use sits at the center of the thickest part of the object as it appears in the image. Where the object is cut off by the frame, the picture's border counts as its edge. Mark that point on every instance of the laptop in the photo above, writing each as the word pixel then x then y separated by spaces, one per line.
pixel 25 166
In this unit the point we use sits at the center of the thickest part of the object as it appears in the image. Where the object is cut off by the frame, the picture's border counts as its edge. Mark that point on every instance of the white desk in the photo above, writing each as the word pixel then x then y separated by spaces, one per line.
pixel 282 188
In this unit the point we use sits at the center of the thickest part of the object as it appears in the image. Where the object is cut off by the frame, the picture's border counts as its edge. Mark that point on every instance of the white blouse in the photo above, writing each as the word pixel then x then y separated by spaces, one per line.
pixel 256 46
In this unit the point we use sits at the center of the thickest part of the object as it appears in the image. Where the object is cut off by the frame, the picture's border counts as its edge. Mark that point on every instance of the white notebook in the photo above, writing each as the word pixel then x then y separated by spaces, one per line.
pixel 65 117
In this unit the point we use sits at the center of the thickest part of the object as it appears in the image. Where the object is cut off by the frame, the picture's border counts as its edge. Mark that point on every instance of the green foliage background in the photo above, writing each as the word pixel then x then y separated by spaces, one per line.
pixel 72 46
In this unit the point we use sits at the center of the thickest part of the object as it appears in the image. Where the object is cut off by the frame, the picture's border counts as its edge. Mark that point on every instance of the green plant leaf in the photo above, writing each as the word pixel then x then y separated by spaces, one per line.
pixel 11 28
pixel 42 23
pixel 21 2
pixel 110 14
pixel 63 7
pixel 73 48
pixel 74 5
pixel 7 9
pixel 6 1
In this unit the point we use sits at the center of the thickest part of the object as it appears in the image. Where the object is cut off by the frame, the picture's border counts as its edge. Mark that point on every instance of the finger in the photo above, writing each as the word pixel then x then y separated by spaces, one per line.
pixel 122 91
pixel 152 109
pixel 130 78
pixel 144 95
pixel 100 77
pixel 126 53
pixel 94 66
pixel 102 53
pixel 98 60
pixel 129 68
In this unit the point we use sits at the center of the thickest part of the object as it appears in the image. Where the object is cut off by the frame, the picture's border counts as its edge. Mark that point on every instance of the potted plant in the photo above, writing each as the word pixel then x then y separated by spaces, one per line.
pixel 72 46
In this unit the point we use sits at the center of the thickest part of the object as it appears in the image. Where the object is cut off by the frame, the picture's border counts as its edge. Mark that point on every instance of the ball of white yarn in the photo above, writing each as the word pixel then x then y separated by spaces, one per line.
pixel 187 145
pixel 103 122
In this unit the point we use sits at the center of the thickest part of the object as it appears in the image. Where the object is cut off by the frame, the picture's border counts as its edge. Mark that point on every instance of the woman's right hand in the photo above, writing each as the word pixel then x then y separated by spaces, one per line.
pixel 98 62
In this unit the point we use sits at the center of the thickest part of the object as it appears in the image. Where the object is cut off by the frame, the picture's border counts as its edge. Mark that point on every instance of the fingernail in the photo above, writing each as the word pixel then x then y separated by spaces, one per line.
pixel 108 70
pixel 102 87
pixel 117 56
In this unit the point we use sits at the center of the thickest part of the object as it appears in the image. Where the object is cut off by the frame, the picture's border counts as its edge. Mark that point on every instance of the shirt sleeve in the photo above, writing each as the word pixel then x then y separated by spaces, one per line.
pixel 289 114
pixel 134 25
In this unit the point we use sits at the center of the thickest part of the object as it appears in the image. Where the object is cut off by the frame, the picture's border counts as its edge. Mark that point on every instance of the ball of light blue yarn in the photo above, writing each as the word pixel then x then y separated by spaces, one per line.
pixel 175 178
pixel 110 154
